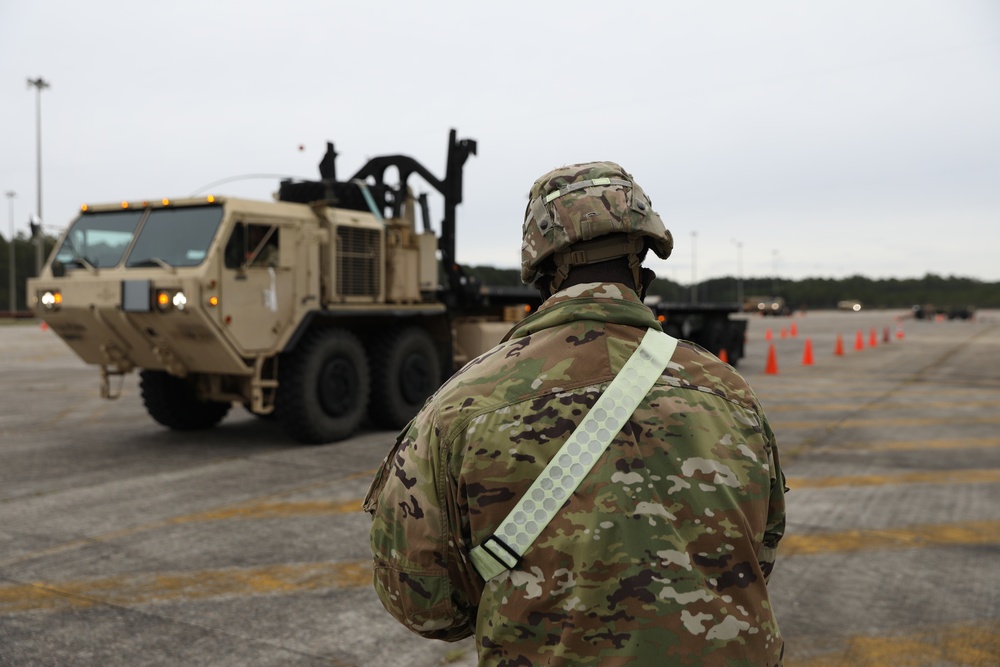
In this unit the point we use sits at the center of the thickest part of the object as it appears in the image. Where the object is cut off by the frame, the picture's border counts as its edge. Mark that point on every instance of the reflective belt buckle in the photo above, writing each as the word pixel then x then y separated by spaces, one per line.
pixel 500 552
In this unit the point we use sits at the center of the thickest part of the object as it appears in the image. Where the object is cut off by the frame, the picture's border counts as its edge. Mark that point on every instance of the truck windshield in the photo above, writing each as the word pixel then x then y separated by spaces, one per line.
pixel 98 239
pixel 176 236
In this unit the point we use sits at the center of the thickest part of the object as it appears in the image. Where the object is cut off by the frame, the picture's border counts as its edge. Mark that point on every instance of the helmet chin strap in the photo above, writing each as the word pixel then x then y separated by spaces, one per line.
pixel 599 250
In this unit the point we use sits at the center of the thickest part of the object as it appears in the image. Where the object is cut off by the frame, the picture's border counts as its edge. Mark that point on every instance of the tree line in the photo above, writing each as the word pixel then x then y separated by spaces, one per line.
pixel 808 293
pixel 813 293
pixel 24 268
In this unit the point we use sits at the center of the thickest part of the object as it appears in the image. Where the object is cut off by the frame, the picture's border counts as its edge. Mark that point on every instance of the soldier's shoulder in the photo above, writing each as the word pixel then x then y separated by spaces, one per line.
pixel 697 368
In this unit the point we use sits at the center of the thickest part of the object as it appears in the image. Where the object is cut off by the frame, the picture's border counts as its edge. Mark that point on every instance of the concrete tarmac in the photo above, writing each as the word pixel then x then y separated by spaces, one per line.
pixel 122 543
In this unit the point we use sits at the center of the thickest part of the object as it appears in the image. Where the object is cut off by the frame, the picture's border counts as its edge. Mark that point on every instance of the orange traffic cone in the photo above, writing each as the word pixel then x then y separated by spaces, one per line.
pixel 873 339
pixel 899 333
pixel 793 330
pixel 772 361
pixel 859 342
pixel 768 335
pixel 839 348
pixel 723 356
pixel 807 353
pixel 45 325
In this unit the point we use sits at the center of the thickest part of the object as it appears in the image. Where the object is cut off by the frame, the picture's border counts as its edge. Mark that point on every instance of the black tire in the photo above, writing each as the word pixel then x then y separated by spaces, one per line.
pixel 405 371
pixel 172 402
pixel 323 387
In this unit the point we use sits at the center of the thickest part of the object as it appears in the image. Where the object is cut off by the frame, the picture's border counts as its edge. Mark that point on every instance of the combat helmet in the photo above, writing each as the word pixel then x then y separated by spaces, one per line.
pixel 587 213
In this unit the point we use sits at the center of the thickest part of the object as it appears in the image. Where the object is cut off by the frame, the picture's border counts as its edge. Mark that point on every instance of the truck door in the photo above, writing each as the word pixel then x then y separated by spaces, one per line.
pixel 256 285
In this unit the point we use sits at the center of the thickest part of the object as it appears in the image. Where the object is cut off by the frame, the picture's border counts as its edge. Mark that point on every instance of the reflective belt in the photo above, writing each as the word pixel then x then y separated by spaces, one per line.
pixel 504 548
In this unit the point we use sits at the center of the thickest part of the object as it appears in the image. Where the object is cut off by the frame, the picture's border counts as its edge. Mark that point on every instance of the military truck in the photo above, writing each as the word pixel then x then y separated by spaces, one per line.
pixel 319 308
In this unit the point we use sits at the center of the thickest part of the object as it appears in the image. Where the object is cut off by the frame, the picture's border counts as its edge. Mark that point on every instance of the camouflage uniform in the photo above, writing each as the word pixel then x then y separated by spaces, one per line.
pixel 660 557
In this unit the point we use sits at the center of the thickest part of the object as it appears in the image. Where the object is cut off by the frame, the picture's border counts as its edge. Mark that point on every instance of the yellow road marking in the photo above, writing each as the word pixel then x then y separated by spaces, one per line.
pixel 135 589
pixel 266 507
pixel 972 476
pixel 875 423
pixel 969 645
pixel 269 510
pixel 943 443
pixel 881 406
pixel 929 535
pixel 773 394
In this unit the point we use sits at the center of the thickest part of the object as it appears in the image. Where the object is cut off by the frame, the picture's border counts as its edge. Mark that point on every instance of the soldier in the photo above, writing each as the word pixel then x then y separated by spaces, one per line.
pixel 487 520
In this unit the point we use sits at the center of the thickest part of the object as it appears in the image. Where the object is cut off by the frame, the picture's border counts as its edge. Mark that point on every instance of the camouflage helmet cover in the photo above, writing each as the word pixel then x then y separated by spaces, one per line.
pixel 580 202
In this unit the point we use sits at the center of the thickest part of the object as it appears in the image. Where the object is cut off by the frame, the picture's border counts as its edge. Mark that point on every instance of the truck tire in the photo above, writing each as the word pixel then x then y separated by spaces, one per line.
pixel 323 387
pixel 405 371
pixel 172 402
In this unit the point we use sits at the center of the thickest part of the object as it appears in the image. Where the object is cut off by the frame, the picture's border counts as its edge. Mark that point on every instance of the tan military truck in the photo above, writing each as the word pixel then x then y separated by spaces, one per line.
pixel 319 308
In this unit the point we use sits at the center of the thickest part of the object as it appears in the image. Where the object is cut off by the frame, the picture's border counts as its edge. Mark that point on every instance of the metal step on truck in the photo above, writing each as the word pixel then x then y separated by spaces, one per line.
pixel 324 308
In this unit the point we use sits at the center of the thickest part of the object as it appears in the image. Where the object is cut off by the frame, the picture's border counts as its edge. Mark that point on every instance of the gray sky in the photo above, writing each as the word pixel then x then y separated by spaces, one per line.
pixel 829 139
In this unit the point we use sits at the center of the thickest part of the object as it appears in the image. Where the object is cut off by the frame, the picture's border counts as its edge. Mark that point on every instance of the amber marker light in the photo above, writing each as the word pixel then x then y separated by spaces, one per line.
pixel 165 201
pixel 661 318
pixel 124 204
pixel 162 299
pixel 57 298
pixel 213 301
pixel 210 199
pixel 84 207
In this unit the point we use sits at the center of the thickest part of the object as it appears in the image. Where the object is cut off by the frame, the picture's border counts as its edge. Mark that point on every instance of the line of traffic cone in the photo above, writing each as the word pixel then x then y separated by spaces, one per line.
pixel 808 358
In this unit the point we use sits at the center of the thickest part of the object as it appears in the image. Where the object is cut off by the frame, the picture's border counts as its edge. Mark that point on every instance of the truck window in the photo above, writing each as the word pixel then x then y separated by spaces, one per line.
pixel 177 236
pixel 98 239
pixel 252 246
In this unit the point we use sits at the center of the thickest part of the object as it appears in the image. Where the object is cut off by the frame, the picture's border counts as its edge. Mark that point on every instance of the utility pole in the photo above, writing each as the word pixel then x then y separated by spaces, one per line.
pixel 12 304
pixel 739 272
pixel 39 85
pixel 694 279
pixel 774 272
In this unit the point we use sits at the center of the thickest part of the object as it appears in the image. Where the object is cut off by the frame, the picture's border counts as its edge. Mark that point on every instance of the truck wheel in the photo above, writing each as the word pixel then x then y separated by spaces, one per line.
pixel 405 371
pixel 323 387
pixel 172 402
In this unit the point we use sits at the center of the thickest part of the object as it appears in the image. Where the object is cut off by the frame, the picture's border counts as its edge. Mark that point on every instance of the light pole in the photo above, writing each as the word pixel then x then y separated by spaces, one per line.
pixel 774 272
pixel 694 279
pixel 12 304
pixel 39 85
pixel 739 272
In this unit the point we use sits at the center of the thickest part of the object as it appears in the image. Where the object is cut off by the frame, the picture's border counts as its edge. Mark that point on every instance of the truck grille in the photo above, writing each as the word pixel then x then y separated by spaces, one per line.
pixel 358 261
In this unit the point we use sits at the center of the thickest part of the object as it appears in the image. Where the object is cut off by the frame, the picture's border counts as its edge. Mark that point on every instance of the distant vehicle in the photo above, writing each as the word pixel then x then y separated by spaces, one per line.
pixel 766 305
pixel 849 304
pixel 930 311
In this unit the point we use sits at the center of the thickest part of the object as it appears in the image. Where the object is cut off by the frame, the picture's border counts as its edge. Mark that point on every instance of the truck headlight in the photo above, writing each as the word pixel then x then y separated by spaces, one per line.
pixel 167 299
pixel 51 299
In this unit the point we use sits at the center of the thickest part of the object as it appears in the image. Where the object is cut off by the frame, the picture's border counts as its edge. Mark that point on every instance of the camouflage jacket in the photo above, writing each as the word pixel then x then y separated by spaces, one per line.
pixel 661 556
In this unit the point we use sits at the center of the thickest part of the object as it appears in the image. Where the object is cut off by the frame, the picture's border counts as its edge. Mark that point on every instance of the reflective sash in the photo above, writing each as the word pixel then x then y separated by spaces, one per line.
pixel 504 548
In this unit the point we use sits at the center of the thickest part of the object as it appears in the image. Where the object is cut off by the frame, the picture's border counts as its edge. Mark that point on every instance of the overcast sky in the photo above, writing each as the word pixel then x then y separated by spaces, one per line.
pixel 807 138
